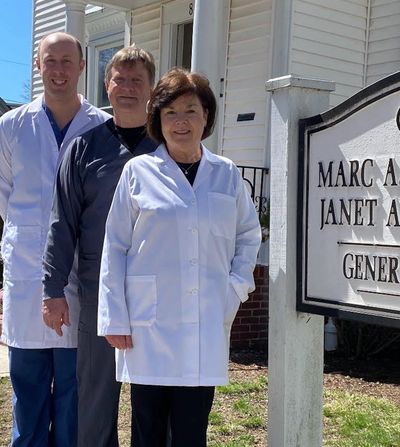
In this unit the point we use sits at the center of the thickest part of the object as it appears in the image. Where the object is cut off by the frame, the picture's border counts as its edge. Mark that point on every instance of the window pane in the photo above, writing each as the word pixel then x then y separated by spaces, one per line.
pixel 104 56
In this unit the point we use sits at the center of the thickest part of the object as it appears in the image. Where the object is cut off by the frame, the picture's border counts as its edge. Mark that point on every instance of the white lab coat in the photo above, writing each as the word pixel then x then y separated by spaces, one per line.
pixel 29 157
pixel 177 260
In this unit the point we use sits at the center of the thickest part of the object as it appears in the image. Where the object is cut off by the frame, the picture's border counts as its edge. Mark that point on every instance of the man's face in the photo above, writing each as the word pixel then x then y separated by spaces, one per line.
pixel 60 66
pixel 129 88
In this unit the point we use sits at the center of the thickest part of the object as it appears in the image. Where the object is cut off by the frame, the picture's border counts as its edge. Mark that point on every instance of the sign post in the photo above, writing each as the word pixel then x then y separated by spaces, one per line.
pixel 295 340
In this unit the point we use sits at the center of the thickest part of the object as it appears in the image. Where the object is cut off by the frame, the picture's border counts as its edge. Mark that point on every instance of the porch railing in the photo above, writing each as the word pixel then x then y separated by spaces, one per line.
pixel 255 178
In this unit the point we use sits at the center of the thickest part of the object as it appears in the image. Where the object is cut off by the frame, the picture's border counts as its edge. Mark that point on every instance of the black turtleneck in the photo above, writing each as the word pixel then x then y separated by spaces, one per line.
pixel 130 137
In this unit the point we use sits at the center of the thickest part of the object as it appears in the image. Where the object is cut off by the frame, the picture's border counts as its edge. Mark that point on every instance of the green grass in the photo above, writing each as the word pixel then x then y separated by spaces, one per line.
pixel 244 387
pixel 358 420
pixel 238 417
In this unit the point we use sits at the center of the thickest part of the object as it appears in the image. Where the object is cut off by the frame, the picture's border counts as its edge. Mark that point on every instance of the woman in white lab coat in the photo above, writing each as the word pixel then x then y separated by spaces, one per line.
pixel 181 243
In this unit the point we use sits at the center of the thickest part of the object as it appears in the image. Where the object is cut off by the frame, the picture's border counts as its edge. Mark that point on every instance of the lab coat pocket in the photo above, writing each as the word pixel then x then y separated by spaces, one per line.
pixel 141 298
pixel 232 303
pixel 222 214
pixel 21 252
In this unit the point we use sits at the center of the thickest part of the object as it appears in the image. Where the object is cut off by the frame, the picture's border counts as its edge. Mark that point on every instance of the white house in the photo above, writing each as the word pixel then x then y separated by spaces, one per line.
pixel 239 45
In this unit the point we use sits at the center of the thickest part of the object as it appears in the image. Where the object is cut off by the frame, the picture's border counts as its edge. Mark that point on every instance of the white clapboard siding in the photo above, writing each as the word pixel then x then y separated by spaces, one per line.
pixel 328 42
pixel 146 30
pixel 48 16
pixel 384 39
pixel 247 69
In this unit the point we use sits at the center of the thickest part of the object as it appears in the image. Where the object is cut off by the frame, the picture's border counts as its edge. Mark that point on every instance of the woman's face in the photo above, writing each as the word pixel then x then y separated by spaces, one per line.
pixel 183 122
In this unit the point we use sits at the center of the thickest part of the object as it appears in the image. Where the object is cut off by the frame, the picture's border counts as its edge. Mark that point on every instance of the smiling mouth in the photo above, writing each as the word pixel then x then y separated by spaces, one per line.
pixel 58 81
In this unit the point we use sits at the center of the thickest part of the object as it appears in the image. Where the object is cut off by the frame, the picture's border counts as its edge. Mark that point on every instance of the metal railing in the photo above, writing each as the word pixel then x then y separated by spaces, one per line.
pixel 255 178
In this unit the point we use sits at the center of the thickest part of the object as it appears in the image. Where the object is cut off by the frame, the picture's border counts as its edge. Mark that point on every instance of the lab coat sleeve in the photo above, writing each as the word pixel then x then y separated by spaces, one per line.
pixel 113 317
pixel 64 223
pixel 248 240
pixel 5 170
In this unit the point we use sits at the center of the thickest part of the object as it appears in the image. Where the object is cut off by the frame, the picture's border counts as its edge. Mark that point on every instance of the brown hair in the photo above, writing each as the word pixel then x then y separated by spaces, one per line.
pixel 68 36
pixel 128 56
pixel 177 82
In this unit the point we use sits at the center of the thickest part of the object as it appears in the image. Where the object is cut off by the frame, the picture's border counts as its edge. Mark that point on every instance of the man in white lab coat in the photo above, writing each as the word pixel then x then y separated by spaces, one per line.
pixel 33 140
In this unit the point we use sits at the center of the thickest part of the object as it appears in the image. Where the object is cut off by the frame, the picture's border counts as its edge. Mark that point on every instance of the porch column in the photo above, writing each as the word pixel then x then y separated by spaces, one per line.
pixel 295 339
pixel 75 25
pixel 128 29
pixel 206 48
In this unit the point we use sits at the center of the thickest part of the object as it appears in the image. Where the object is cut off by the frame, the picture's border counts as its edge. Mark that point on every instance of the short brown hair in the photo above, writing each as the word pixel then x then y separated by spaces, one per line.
pixel 68 36
pixel 177 82
pixel 128 56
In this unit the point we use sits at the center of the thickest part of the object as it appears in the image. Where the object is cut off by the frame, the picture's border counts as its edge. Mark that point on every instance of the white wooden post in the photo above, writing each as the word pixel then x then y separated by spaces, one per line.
pixel 295 340
pixel 206 49
pixel 128 29
pixel 75 25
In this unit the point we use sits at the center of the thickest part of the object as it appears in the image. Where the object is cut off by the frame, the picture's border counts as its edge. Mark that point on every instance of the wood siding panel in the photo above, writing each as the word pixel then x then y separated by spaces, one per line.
pixel 146 30
pixel 336 53
pixel 48 16
pixel 329 26
pixel 247 70
pixel 328 42
pixel 353 7
pixel 330 38
pixel 384 40
pixel 391 43
pixel 330 61
pixel 333 12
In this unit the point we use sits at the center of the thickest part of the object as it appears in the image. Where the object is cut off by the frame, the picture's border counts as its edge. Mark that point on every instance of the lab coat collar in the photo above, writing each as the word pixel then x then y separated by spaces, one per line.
pixel 84 114
pixel 208 159
pixel 162 155
pixel 83 117
pixel 37 104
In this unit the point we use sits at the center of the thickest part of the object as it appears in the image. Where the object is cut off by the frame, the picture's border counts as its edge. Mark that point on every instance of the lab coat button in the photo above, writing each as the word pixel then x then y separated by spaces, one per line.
pixel 194 291
pixel 193 261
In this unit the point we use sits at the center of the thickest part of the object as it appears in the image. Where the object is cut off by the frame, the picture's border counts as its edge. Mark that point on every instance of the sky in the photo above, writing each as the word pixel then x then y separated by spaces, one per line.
pixel 15 49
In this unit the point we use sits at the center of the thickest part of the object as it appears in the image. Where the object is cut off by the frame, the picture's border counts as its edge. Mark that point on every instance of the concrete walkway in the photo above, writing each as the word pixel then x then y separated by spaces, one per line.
pixel 3 361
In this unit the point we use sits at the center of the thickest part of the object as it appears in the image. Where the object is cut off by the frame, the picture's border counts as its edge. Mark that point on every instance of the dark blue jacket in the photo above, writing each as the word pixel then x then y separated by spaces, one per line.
pixel 85 184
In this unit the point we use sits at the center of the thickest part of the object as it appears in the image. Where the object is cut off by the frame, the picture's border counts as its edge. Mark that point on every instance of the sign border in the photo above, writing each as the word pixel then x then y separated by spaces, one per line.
pixel 308 126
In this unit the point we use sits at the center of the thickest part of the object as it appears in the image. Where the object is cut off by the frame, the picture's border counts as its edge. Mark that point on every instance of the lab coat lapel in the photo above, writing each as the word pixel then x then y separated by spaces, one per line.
pixel 48 143
pixel 175 177
pixel 45 158
pixel 205 169
pixel 41 122
pixel 80 121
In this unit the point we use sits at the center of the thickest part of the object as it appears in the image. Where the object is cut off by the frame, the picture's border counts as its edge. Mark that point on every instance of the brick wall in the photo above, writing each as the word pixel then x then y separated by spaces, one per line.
pixel 250 328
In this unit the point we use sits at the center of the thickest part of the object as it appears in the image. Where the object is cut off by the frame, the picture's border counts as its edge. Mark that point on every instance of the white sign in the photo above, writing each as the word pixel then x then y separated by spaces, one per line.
pixel 349 239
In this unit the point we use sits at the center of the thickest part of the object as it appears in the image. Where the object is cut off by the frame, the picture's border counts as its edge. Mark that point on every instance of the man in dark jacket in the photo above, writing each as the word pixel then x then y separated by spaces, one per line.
pixel 85 186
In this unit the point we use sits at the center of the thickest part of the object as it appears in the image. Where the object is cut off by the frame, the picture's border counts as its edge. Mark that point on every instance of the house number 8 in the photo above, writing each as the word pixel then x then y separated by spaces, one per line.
pixel 190 9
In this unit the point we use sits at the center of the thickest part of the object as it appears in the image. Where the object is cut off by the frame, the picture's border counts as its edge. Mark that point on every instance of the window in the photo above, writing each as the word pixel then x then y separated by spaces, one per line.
pixel 103 57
